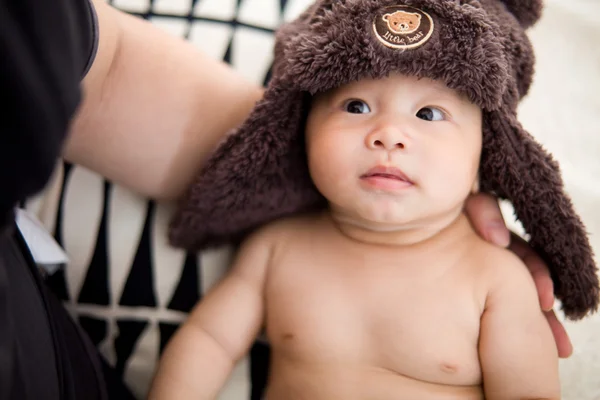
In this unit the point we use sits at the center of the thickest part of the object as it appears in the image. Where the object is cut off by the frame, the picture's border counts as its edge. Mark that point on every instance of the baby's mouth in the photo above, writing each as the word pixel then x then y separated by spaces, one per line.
pixel 391 173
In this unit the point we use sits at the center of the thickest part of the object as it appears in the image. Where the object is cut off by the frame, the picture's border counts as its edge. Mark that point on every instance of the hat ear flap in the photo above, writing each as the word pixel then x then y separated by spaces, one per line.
pixel 516 168
pixel 527 12
pixel 258 174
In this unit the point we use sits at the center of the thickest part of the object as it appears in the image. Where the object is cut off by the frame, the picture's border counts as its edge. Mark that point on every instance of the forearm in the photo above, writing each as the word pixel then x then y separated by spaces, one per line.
pixel 154 108
pixel 193 366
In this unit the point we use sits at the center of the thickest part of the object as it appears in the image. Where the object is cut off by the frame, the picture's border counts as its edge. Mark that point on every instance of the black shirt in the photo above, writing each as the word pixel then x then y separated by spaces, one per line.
pixel 46 47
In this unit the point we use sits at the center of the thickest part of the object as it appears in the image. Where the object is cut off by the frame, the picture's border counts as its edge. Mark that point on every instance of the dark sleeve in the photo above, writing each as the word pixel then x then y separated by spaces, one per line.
pixel 46 47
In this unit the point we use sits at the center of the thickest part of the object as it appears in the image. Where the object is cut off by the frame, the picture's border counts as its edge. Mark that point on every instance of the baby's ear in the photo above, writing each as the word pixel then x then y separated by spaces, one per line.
pixel 527 12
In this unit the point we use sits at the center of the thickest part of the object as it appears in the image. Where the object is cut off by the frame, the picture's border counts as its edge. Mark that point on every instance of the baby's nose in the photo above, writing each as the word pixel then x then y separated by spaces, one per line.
pixel 387 138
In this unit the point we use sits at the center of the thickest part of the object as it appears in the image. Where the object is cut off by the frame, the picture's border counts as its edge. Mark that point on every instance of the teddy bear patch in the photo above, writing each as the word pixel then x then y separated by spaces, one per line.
pixel 402 27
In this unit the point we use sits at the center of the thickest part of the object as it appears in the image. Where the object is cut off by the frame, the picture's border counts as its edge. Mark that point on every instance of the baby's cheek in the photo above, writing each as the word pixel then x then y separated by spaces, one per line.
pixel 449 175
pixel 324 166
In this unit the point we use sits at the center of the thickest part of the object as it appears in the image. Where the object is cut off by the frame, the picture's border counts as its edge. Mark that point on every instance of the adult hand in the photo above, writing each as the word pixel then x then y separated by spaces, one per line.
pixel 485 216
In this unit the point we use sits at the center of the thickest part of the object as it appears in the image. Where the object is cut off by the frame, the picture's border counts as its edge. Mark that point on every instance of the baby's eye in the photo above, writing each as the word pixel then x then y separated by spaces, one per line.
pixel 431 114
pixel 357 107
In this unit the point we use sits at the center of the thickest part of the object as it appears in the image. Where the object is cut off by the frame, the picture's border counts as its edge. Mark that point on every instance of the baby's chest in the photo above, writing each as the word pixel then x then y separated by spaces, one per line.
pixel 425 330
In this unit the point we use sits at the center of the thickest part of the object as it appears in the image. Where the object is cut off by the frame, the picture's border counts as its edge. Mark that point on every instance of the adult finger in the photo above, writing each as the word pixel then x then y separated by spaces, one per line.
pixel 563 343
pixel 538 269
pixel 484 213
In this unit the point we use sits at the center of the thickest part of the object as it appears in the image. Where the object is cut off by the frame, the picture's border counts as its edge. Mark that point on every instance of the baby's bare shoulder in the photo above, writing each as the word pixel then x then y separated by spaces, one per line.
pixel 284 234
pixel 499 266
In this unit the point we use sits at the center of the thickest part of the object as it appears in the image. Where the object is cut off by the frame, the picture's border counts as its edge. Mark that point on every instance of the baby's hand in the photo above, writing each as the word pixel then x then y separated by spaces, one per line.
pixel 484 213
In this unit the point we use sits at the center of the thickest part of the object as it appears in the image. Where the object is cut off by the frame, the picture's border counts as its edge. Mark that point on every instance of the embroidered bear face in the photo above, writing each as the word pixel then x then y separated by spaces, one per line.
pixel 402 22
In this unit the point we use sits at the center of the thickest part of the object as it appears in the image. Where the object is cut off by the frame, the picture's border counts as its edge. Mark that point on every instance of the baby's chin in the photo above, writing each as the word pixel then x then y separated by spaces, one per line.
pixel 396 218
pixel 375 221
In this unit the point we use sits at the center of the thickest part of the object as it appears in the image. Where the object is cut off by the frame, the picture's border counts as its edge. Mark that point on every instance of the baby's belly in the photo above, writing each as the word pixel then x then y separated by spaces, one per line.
pixel 290 380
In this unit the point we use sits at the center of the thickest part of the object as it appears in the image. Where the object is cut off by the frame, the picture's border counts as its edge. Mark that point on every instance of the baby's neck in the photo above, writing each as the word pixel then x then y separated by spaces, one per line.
pixel 451 227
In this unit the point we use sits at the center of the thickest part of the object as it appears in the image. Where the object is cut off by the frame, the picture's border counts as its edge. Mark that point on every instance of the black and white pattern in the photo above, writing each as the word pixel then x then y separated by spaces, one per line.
pixel 127 288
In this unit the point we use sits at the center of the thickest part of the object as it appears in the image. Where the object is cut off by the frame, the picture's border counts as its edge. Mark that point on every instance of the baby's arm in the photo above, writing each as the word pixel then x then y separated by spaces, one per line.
pixel 518 354
pixel 219 331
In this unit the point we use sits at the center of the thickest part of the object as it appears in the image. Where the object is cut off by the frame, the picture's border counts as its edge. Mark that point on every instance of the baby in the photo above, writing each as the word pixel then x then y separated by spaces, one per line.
pixel 389 294
pixel 352 173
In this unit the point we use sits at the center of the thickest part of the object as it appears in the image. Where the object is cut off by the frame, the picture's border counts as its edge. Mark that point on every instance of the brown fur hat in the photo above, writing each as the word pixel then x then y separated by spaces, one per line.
pixel 478 47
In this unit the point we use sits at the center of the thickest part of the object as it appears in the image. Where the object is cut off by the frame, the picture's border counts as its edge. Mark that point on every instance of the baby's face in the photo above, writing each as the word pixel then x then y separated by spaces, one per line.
pixel 394 152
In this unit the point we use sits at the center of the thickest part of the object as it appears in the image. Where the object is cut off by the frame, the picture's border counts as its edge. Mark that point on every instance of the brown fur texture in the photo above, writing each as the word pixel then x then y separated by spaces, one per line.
pixel 478 47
